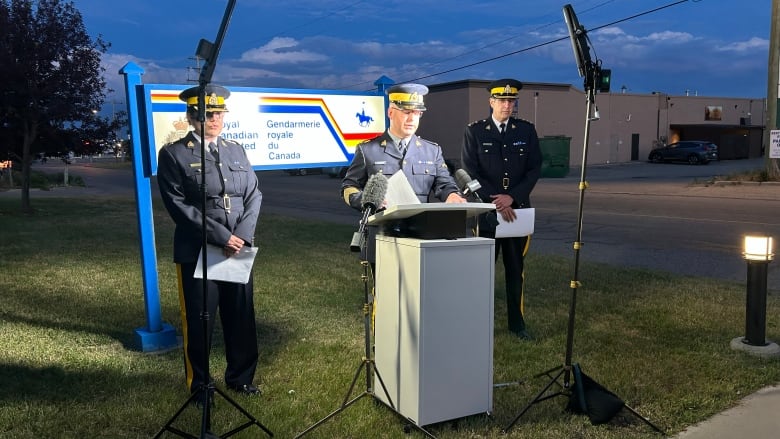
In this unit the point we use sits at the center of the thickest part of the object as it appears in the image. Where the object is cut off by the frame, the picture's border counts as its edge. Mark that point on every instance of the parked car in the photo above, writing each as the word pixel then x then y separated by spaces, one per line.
pixel 335 171
pixel 304 171
pixel 693 152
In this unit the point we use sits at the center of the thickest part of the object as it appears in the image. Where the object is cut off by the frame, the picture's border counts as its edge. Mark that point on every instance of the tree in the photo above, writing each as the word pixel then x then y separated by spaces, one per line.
pixel 52 78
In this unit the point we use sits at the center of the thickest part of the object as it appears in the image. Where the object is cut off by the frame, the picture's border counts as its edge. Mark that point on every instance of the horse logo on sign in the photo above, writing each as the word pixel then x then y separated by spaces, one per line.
pixel 363 119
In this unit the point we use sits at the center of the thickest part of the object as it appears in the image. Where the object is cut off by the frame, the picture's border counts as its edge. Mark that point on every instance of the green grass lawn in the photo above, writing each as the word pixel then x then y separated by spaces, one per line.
pixel 72 295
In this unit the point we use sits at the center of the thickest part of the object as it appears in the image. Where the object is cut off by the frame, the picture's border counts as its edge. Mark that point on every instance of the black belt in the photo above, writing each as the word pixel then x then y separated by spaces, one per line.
pixel 224 203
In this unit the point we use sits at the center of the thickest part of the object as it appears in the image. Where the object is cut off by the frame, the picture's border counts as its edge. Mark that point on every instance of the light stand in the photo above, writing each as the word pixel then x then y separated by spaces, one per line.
pixel 591 73
pixel 759 252
pixel 367 362
pixel 204 394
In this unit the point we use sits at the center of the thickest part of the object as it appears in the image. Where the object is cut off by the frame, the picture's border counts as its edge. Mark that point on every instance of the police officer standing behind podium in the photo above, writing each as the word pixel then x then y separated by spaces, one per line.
pixel 503 154
pixel 399 148
pixel 233 201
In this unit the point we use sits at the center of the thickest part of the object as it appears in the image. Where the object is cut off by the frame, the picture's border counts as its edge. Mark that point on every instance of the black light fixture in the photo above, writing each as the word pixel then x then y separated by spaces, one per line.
pixel 758 251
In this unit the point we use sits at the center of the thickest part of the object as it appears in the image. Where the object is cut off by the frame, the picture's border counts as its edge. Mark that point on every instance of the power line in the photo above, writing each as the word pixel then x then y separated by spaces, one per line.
pixel 669 5
pixel 514 37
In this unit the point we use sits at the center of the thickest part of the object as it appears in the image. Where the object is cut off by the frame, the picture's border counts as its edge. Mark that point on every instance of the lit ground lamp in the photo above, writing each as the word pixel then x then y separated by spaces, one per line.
pixel 758 252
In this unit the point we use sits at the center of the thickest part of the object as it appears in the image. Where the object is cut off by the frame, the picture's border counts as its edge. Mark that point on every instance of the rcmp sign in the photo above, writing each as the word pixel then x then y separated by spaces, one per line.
pixel 279 129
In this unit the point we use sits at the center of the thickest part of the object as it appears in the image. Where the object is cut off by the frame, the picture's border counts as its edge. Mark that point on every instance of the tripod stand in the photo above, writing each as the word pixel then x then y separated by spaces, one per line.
pixel 204 393
pixel 368 363
pixel 565 370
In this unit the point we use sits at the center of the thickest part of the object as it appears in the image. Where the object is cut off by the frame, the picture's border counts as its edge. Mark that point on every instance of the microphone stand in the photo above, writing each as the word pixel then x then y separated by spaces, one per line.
pixel 204 394
pixel 566 369
pixel 471 187
pixel 368 360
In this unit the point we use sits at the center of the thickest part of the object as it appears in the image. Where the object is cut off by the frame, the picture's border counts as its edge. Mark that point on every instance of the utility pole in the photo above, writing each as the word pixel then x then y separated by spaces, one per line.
pixel 772 164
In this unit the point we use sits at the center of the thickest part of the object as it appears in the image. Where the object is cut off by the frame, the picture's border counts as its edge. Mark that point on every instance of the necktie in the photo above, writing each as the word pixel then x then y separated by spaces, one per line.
pixel 402 146
pixel 502 128
pixel 214 151
pixel 225 198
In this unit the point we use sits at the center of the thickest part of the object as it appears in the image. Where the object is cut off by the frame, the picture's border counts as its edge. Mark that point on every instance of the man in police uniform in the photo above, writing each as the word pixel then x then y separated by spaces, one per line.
pixel 399 148
pixel 502 153
pixel 233 201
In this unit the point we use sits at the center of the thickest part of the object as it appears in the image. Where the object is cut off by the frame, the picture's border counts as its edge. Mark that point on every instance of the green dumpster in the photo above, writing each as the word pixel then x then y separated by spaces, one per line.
pixel 555 156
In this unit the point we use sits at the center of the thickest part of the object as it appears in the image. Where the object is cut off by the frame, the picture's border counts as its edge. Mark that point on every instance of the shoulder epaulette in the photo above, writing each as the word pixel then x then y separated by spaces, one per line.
pixel 371 139
pixel 428 141
pixel 478 122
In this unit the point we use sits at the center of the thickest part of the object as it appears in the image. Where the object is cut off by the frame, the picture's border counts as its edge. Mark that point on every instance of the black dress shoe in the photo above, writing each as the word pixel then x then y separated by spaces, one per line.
pixel 246 389
pixel 523 335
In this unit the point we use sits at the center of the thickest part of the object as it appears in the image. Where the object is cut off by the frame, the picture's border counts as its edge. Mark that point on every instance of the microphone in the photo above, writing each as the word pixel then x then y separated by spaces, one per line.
pixel 472 186
pixel 372 198
pixel 466 183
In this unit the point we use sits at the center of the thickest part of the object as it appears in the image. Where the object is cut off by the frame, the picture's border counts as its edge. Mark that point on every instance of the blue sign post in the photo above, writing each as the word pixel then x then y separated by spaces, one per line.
pixel 156 335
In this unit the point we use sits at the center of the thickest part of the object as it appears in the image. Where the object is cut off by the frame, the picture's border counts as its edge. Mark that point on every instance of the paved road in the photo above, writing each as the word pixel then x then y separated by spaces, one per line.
pixel 656 216
pixel 659 217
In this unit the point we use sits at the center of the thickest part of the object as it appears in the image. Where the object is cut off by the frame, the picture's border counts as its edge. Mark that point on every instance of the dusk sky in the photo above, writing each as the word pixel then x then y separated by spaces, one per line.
pixel 704 47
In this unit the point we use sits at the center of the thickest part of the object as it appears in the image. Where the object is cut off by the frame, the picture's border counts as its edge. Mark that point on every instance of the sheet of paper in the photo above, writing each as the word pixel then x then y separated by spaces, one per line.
pixel 236 268
pixel 523 225
pixel 399 191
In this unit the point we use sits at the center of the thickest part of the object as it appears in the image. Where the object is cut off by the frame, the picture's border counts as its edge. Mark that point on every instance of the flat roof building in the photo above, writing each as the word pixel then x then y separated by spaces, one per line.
pixel 629 125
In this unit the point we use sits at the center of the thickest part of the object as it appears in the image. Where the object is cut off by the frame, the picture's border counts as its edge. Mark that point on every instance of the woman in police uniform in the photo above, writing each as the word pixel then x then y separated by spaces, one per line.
pixel 233 201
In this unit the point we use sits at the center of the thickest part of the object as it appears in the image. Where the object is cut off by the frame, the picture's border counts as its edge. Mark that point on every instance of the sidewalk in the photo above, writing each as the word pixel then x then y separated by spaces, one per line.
pixel 755 417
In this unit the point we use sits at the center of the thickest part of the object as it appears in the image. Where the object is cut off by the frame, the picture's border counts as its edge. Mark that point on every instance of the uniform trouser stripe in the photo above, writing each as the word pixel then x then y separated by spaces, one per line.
pixel 184 328
pixel 513 251
pixel 235 305
pixel 522 276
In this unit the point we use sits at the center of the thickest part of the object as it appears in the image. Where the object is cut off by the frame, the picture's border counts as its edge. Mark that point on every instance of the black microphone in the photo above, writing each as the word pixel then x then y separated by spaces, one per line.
pixel 466 184
pixel 472 186
pixel 372 198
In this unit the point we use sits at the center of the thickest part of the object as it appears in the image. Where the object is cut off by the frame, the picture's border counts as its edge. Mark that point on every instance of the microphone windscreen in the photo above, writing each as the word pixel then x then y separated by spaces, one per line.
pixel 374 191
pixel 462 178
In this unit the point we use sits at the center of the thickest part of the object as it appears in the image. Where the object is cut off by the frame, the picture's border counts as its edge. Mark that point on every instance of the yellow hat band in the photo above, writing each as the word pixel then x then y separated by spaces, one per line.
pixel 503 91
pixel 406 97
pixel 213 102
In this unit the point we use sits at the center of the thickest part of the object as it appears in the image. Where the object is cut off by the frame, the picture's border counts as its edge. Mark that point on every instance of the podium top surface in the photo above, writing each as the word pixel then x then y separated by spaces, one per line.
pixel 402 211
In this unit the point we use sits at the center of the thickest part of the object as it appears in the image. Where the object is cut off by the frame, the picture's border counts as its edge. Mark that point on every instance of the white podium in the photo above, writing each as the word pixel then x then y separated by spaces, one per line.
pixel 434 325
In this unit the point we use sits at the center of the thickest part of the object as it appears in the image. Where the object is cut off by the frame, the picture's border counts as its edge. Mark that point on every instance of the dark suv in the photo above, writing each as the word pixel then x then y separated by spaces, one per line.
pixel 692 151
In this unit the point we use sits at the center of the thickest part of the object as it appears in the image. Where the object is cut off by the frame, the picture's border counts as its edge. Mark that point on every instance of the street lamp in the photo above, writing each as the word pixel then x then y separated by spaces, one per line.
pixel 758 252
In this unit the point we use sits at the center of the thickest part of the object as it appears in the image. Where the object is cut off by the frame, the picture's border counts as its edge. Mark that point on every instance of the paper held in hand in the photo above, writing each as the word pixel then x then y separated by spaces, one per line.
pixel 523 225
pixel 236 268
